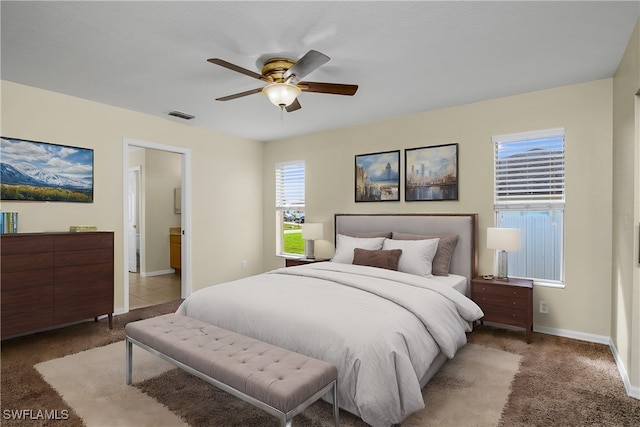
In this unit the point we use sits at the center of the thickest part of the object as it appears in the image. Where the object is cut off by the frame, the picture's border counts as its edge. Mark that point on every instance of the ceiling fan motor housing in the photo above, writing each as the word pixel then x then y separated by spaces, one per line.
pixel 276 67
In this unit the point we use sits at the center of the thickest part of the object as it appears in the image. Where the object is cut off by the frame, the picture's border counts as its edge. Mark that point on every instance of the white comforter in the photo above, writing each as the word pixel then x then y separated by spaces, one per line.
pixel 382 329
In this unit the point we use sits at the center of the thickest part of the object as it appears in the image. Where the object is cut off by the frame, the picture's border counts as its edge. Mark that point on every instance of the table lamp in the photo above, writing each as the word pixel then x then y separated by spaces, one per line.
pixel 311 232
pixel 503 240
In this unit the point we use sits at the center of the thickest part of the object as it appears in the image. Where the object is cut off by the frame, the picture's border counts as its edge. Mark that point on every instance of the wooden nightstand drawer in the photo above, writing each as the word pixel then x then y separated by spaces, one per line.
pixel 508 301
pixel 506 315
pixel 501 290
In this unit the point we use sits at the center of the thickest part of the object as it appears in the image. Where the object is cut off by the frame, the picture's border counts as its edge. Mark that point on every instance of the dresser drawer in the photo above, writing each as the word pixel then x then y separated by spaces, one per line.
pixel 82 302
pixel 83 241
pixel 26 262
pixel 25 244
pixel 89 256
pixel 26 279
pixel 26 309
pixel 83 274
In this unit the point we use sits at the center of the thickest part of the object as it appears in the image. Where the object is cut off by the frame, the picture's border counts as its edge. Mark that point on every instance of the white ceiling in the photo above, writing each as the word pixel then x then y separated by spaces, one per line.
pixel 407 57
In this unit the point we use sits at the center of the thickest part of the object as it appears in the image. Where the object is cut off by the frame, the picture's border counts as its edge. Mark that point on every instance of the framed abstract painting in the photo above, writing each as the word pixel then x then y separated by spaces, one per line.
pixel 431 173
pixel 377 177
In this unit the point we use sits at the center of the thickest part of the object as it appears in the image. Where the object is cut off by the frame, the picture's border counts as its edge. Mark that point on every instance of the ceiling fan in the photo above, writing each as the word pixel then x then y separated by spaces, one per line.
pixel 284 76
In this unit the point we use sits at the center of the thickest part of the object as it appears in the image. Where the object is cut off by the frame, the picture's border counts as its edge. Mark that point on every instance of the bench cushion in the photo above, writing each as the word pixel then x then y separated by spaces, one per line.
pixel 278 377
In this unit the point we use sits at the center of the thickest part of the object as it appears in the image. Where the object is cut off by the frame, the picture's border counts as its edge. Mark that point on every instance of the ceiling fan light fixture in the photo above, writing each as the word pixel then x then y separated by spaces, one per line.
pixel 281 94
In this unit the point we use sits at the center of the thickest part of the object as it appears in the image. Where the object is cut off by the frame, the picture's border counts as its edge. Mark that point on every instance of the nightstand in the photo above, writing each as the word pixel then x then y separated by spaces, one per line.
pixel 506 302
pixel 291 262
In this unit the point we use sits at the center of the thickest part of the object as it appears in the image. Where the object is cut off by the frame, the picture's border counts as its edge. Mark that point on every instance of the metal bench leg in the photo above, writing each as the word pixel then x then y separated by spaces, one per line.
pixel 129 357
pixel 336 410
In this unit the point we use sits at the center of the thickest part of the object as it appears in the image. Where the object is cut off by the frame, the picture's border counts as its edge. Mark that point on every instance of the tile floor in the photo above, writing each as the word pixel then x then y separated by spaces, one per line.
pixel 146 291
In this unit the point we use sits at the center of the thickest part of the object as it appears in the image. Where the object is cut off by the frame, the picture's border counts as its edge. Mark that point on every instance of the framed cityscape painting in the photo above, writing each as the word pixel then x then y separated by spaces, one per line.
pixel 377 177
pixel 40 171
pixel 431 173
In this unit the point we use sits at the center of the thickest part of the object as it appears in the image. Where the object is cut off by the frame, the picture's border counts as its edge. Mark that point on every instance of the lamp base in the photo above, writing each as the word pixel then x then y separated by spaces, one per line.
pixel 502 266
pixel 309 249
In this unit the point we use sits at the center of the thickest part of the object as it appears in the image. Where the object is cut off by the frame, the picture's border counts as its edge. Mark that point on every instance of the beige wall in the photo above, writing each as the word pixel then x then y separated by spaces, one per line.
pixel 625 331
pixel 585 110
pixel 226 176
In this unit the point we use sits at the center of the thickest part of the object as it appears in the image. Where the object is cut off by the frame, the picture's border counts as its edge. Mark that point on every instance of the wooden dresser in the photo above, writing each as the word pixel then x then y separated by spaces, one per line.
pixel 49 279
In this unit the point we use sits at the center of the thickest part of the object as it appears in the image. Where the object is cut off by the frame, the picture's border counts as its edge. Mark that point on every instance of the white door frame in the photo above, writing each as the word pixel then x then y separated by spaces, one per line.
pixel 137 171
pixel 185 215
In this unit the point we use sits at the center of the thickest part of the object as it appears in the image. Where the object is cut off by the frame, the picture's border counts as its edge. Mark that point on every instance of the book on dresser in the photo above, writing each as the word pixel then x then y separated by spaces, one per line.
pixel 51 279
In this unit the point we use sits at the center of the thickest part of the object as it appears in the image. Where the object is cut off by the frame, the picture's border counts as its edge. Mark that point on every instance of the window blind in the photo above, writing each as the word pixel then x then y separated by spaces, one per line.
pixel 290 186
pixel 529 170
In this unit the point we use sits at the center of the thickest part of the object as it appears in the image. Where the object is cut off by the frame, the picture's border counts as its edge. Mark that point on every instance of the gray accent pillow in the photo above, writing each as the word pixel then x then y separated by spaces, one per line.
pixel 446 246
pixel 377 258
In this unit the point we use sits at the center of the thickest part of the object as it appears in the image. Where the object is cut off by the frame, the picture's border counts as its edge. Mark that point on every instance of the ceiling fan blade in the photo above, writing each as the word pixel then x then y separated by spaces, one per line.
pixel 308 63
pixel 239 95
pixel 237 68
pixel 332 88
pixel 295 105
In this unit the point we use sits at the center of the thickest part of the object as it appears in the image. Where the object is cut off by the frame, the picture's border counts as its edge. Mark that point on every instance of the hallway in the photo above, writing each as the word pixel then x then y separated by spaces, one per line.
pixel 146 291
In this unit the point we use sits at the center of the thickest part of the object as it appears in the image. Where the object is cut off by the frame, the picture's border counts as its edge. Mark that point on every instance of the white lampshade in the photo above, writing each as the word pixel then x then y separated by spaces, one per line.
pixel 505 239
pixel 281 94
pixel 312 231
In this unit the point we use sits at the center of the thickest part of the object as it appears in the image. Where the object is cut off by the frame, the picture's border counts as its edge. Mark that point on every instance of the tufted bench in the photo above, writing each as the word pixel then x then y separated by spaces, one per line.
pixel 279 381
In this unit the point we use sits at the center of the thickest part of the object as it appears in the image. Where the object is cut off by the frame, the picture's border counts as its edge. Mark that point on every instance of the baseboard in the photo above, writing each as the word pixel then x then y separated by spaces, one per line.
pixel 600 339
pixel 157 273
pixel 631 390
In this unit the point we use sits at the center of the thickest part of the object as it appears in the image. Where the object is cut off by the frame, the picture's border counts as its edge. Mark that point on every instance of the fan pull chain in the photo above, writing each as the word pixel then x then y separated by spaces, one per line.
pixel 282 113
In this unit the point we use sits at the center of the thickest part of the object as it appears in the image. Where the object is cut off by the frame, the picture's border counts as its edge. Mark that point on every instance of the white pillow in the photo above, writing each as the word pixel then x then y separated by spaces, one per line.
pixel 417 255
pixel 346 244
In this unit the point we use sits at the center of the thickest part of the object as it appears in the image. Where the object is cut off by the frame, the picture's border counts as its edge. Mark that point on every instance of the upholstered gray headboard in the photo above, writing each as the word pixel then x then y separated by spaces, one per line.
pixel 465 257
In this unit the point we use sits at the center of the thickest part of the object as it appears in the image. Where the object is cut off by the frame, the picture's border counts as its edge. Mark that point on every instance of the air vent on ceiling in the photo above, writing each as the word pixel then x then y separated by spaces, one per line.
pixel 181 115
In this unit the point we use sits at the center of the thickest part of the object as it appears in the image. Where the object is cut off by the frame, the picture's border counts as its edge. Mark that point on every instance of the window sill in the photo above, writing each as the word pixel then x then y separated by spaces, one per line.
pixel 543 284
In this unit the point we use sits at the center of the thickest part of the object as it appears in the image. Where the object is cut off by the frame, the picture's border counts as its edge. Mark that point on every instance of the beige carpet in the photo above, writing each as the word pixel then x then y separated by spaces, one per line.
pixel 470 390
pixel 92 382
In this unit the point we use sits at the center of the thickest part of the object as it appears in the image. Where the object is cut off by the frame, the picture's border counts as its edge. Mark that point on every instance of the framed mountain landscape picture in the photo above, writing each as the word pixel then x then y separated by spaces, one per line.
pixel 41 171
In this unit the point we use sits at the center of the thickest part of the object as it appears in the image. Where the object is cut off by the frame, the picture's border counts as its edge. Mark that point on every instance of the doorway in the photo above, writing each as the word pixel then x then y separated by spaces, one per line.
pixel 153 172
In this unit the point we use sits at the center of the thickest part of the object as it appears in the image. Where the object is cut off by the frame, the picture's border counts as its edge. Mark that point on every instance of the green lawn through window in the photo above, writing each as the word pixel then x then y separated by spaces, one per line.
pixel 293 243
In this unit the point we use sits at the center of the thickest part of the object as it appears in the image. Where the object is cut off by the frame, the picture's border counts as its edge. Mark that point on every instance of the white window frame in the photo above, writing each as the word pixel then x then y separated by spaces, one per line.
pixel 290 196
pixel 517 188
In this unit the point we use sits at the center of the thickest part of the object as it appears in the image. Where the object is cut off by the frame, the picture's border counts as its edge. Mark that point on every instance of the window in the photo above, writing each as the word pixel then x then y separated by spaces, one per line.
pixel 530 195
pixel 289 208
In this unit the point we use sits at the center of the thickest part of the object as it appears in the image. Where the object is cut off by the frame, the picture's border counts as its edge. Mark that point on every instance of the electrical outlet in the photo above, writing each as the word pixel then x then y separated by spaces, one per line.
pixel 244 264
pixel 544 307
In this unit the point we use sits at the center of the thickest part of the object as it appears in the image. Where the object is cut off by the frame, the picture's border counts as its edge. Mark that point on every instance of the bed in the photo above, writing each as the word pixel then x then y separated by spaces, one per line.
pixel 387 331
